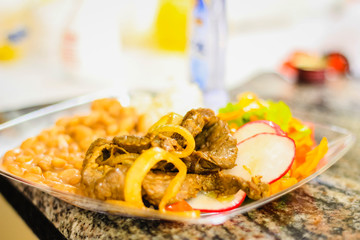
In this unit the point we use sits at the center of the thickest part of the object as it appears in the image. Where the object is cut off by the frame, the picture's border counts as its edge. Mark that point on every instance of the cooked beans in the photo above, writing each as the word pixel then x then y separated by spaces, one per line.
pixel 71 176
pixel 15 169
pixel 55 156
pixel 58 162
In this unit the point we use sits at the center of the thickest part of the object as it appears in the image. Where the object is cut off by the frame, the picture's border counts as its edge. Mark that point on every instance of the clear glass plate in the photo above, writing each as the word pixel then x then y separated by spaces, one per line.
pixel 12 133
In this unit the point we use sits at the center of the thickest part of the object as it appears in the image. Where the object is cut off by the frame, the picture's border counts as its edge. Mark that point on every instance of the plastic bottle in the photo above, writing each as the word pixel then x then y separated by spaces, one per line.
pixel 17 23
pixel 207 51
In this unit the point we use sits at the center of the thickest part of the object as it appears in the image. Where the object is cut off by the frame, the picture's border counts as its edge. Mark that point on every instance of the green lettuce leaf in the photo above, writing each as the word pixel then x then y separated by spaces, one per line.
pixel 279 113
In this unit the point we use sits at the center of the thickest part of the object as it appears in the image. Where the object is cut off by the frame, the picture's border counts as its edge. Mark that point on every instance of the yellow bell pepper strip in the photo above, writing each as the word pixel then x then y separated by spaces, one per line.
pixel 227 116
pixel 282 184
pixel 311 161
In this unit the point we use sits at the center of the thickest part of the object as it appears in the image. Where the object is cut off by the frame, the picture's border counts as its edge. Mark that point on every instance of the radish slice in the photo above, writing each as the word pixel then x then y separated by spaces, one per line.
pixel 261 126
pixel 266 154
pixel 205 203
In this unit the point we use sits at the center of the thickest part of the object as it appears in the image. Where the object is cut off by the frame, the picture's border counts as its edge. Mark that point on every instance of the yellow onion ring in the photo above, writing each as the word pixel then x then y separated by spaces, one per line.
pixel 190 146
pixel 170 118
pixel 142 165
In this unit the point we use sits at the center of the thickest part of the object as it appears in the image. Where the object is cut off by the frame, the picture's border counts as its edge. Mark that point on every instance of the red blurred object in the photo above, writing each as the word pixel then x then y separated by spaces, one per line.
pixel 307 67
pixel 289 69
pixel 311 76
pixel 180 206
pixel 338 63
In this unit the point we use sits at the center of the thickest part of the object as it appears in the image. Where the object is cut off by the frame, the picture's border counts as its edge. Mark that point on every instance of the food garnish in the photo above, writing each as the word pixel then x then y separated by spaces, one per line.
pixel 265 154
pixel 205 202
pixel 255 127
pixel 252 115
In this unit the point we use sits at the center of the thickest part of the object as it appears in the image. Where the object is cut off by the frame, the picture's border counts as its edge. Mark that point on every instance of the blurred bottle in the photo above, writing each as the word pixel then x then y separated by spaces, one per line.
pixel 16 29
pixel 171 24
pixel 207 50
pixel 91 45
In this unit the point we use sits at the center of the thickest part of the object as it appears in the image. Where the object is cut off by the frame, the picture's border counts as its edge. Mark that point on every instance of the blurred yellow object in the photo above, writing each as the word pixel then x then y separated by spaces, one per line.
pixel 171 25
pixel 7 52
pixel 17 28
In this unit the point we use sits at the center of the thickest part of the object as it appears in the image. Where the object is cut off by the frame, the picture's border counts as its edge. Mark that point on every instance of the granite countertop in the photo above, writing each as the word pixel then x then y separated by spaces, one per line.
pixel 326 208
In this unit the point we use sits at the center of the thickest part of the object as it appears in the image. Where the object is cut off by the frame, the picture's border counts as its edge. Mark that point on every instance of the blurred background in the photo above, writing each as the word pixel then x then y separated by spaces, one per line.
pixel 51 50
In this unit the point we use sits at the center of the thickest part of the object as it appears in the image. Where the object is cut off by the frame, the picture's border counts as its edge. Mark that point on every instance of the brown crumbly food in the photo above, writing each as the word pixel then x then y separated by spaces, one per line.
pixel 55 156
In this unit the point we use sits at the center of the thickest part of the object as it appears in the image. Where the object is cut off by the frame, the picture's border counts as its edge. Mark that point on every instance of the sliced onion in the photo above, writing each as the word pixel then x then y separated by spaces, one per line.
pixel 171 118
pixel 142 165
pixel 190 146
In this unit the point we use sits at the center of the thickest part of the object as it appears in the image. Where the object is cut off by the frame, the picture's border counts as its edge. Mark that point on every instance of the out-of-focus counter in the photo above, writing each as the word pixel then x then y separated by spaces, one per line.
pixel 326 208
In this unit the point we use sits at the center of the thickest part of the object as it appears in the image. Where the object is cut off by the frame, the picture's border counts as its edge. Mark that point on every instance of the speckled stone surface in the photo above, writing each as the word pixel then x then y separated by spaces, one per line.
pixel 326 208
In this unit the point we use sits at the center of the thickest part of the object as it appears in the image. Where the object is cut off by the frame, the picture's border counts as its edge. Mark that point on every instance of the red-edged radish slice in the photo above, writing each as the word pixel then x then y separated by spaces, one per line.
pixel 266 154
pixel 205 203
pixel 261 126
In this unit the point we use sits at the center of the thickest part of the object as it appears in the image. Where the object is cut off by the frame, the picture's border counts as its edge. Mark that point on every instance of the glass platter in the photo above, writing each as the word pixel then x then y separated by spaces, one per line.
pixel 13 132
